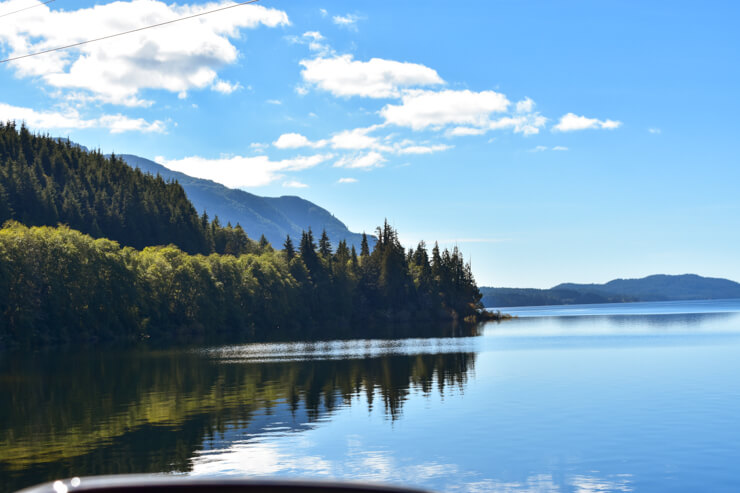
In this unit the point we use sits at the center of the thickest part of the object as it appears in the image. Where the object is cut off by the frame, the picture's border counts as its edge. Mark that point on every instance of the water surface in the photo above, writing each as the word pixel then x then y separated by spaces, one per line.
pixel 611 398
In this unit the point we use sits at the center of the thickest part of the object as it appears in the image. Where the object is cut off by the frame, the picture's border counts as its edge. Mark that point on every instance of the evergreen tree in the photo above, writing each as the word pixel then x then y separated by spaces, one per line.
pixel 364 248
pixel 324 245
pixel 264 244
pixel 289 249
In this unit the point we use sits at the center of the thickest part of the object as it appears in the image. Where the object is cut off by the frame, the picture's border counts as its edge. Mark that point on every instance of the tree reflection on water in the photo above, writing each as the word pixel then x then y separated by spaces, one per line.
pixel 135 411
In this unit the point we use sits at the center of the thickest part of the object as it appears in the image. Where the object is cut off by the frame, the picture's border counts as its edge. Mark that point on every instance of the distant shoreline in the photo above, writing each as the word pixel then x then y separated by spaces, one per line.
pixel 659 287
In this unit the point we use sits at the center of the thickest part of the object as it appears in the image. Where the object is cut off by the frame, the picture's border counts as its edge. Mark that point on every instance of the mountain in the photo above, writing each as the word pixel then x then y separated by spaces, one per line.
pixel 46 181
pixel 663 288
pixel 658 287
pixel 275 217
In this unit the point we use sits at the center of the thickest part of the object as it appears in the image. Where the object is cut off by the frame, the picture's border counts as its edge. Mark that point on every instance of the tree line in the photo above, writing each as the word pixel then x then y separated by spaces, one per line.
pixel 60 285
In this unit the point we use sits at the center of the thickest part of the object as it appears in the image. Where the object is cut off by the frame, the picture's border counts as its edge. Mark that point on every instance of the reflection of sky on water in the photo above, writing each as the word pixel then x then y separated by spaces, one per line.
pixel 639 308
pixel 613 330
pixel 617 402
pixel 283 452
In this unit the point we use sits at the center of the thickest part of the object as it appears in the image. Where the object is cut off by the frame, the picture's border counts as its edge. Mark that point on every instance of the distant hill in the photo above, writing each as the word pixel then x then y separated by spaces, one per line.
pixel 652 288
pixel 275 217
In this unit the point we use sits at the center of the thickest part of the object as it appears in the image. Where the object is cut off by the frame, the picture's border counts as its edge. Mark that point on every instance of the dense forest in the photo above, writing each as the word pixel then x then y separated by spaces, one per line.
pixel 45 181
pixel 170 272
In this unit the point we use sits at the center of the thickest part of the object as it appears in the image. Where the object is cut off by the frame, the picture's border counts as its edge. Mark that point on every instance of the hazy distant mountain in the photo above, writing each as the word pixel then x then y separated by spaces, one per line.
pixel 652 288
pixel 275 217
pixel 663 287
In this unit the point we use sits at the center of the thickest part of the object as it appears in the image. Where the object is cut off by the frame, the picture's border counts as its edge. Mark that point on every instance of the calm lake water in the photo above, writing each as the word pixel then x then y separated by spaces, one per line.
pixel 632 397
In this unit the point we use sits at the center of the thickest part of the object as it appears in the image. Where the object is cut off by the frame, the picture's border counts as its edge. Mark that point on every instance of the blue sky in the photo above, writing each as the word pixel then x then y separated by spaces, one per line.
pixel 551 141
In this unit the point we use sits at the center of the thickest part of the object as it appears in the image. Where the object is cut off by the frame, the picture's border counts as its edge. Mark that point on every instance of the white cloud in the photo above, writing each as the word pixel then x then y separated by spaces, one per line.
pixel 294 184
pixel 295 141
pixel 539 149
pixel 276 102
pixel 370 160
pixel 291 141
pixel 349 20
pixel 559 148
pixel 572 122
pixel 225 87
pixel 422 109
pixel 323 12
pixel 654 130
pixel 71 120
pixel 176 58
pixel 377 78
pixel 347 180
pixel 525 106
pixel 528 124
pixel 314 35
pixel 464 131
pixel 240 171
pixel 314 40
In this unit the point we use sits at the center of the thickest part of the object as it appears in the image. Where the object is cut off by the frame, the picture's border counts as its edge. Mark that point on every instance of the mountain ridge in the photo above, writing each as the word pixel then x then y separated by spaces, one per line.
pixel 275 217
pixel 657 287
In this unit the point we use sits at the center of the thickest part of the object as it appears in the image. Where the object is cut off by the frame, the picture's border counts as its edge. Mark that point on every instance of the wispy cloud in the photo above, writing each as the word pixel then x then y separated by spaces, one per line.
pixel 545 148
pixel 369 160
pixel 347 180
pixel 349 21
pixel 71 119
pixel 294 184
pixel 654 130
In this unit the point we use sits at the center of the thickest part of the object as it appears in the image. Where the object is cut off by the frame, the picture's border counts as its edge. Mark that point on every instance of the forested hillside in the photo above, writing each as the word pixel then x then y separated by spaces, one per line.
pixel 170 272
pixel 45 181
pixel 274 217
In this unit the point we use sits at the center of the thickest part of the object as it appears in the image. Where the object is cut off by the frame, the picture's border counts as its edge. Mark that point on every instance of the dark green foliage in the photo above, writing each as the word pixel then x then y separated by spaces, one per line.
pixel 46 182
pixel 61 284
pixel 364 248
pixel 325 245
pixel 289 249
pixel 57 284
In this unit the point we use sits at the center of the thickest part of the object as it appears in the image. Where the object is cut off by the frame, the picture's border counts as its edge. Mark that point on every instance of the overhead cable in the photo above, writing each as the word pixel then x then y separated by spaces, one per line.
pixel 27 8
pixel 126 32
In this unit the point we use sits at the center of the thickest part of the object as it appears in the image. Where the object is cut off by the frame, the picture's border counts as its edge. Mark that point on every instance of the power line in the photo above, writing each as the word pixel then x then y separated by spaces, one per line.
pixel 27 8
pixel 126 32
